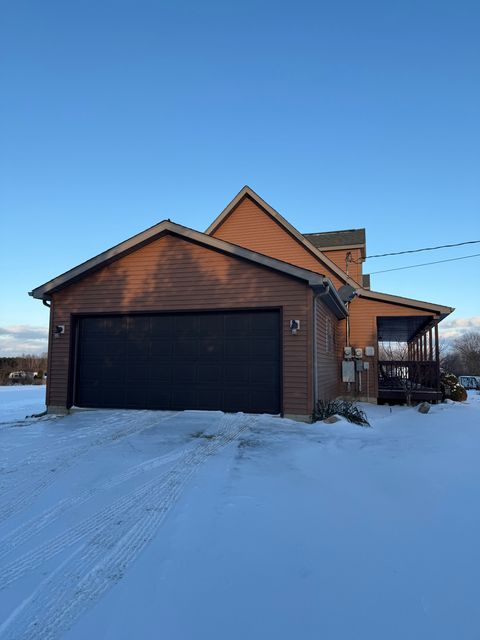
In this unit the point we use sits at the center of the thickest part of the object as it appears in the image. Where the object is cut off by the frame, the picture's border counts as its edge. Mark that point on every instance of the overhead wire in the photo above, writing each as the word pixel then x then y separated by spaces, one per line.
pixel 424 264
pixel 442 246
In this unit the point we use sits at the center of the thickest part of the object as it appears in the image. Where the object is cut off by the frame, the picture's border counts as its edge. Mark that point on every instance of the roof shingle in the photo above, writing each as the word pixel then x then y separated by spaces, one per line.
pixel 343 238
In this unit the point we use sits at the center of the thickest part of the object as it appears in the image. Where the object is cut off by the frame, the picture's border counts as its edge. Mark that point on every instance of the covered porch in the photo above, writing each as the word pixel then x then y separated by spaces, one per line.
pixel 408 359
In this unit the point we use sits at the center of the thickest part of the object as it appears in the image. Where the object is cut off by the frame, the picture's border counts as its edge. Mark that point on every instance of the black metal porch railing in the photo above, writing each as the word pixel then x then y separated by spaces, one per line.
pixel 408 375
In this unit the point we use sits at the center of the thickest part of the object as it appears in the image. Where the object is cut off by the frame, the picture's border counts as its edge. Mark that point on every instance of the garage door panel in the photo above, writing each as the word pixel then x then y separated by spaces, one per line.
pixel 184 397
pixel 238 325
pixel 209 374
pixel 136 372
pixel 138 325
pixel 186 325
pixel 92 349
pixel 186 347
pixel 92 327
pixel 209 398
pixel 210 325
pixel 161 326
pixel 238 348
pixel 112 375
pixel 224 360
pixel 211 348
pixel 159 373
pixel 183 373
pixel 111 396
pixel 159 398
pixel 238 374
pixel 137 348
pixel 263 374
pixel 265 347
pixel 234 400
pixel 264 402
pixel 115 326
pixel 264 324
pixel 161 348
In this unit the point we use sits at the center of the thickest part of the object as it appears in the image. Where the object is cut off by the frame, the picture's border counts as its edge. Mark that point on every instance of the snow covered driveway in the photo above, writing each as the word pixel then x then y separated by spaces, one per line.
pixel 117 525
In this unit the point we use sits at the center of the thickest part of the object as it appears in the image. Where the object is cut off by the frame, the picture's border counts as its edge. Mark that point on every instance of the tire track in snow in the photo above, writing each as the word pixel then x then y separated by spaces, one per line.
pixel 57 455
pixel 24 532
pixel 62 442
pixel 108 516
pixel 21 494
pixel 106 555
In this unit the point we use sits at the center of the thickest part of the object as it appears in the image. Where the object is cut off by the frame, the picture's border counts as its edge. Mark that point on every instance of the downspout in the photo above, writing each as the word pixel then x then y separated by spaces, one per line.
pixel 48 304
pixel 347 326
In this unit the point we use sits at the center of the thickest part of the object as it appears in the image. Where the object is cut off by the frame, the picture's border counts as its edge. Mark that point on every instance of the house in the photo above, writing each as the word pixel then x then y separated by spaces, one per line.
pixel 249 316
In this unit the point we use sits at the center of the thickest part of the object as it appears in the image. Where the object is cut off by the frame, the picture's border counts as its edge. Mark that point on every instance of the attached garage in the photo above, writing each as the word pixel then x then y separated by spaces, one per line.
pixel 176 319
pixel 228 361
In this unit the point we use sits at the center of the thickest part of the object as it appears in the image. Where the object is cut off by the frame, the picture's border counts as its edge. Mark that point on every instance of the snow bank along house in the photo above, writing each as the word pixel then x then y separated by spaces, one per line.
pixel 249 316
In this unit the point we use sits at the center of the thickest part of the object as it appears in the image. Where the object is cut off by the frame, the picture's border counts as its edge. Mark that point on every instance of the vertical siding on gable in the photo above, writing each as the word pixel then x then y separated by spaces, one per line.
pixel 249 226
pixel 171 274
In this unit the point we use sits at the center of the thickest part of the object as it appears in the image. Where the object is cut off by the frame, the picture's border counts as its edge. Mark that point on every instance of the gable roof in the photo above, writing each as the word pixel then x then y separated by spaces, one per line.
pixel 310 244
pixel 318 282
pixel 247 191
pixel 343 239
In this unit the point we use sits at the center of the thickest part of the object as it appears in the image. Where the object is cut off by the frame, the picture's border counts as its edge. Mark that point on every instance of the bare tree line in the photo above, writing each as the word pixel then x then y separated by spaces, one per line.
pixel 462 356
pixel 27 362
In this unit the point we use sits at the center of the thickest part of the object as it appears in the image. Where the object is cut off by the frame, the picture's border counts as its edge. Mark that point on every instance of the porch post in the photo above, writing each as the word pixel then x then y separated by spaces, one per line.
pixel 437 356
pixel 430 343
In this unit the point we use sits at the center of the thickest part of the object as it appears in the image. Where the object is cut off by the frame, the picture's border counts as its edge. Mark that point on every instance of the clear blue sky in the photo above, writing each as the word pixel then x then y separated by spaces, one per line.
pixel 118 114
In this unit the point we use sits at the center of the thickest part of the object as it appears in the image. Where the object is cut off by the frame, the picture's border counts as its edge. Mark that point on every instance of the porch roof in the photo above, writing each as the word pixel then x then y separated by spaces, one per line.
pixel 401 328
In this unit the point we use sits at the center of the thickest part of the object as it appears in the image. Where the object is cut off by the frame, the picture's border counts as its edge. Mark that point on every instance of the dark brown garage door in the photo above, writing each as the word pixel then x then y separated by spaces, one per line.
pixel 227 361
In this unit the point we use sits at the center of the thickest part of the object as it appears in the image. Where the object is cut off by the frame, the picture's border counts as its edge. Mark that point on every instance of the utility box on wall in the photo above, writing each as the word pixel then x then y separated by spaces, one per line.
pixel 348 371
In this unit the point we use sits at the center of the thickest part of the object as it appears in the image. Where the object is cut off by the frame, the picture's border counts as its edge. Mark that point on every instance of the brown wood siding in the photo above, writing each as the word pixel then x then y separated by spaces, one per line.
pixel 249 226
pixel 363 333
pixel 354 267
pixel 328 368
pixel 172 274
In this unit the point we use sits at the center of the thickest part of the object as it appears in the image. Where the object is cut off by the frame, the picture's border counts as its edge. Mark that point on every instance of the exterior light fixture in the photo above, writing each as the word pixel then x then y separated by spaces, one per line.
pixel 294 326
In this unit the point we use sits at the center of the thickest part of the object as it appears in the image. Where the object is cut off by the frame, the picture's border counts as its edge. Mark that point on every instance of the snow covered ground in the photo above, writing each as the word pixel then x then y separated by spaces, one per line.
pixel 21 400
pixel 193 525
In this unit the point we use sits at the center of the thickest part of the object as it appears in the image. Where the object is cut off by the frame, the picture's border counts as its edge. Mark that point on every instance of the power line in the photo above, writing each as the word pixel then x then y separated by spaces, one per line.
pixel 443 246
pixel 424 264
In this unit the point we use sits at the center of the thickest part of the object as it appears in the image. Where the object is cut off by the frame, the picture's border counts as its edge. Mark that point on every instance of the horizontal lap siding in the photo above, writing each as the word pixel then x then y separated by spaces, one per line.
pixel 328 368
pixel 354 267
pixel 171 274
pixel 363 332
pixel 249 226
